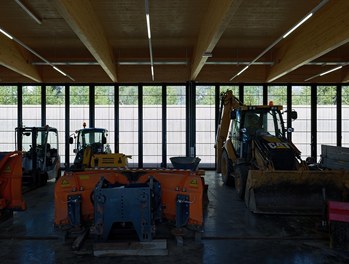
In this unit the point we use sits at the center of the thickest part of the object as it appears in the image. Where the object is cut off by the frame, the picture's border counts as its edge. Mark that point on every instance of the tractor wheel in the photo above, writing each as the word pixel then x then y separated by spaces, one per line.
pixel 227 169
pixel 241 172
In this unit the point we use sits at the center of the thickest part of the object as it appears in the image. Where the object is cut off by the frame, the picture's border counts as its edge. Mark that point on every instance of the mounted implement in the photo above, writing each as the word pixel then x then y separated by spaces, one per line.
pixel 124 198
pixel 11 183
pixel 265 167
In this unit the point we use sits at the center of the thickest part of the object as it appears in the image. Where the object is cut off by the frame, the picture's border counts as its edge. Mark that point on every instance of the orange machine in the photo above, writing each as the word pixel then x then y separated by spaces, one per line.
pixel 11 182
pixel 174 183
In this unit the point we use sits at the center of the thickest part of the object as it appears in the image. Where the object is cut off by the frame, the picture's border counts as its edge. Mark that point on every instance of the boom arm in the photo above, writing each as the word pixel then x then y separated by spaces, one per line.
pixel 228 103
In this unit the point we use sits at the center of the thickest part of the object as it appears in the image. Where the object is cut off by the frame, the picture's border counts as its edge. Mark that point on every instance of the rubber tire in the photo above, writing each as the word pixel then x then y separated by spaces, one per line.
pixel 241 173
pixel 227 169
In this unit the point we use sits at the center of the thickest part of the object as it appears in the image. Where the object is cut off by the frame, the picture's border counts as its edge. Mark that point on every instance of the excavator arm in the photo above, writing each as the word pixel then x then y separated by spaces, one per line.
pixel 228 103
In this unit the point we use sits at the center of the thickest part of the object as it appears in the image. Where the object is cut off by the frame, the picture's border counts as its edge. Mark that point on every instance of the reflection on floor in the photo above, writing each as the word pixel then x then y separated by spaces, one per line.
pixel 232 234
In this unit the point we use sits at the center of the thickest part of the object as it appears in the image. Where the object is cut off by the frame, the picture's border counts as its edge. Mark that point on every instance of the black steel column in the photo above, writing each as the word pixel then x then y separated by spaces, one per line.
pixel 116 118
pixel 241 93
pixel 164 126
pixel 92 105
pixel 19 115
pixel 339 114
pixel 67 125
pixel 190 119
pixel 140 126
pixel 289 110
pixel 313 113
pixel 43 105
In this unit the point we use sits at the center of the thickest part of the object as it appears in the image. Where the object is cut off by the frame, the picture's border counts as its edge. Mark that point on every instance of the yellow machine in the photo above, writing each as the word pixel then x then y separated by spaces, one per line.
pixel 265 167
pixel 93 151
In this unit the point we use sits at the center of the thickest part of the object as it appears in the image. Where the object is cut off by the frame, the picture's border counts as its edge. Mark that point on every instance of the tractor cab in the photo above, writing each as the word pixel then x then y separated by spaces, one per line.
pixel 89 141
pixel 40 158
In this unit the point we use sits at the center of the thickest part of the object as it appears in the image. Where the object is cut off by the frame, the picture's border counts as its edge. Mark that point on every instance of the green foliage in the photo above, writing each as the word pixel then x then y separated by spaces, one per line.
pixel 8 95
pixel 104 95
pixel 55 95
pixel 79 95
pixel 175 95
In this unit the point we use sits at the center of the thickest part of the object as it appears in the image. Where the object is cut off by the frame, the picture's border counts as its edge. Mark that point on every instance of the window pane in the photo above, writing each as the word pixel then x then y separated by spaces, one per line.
pixel 345 116
pixel 176 121
pixel 55 114
pixel 79 110
pixel 301 137
pixel 104 112
pixel 326 117
pixel 32 106
pixel 205 125
pixel 128 103
pixel 253 95
pixel 8 117
pixel 152 126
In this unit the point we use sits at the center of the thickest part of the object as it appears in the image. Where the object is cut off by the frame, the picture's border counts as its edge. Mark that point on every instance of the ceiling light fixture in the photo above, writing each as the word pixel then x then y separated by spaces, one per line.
pixel 34 52
pixel 296 26
pixel 6 34
pixel 324 73
pixel 321 4
pixel 147 17
pixel 29 12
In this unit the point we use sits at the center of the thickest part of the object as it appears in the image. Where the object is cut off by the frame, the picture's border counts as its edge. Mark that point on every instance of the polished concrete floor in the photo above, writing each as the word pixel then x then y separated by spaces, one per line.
pixel 232 234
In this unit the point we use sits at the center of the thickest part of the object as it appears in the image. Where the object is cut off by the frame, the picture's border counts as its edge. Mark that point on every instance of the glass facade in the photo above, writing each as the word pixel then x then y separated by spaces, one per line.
pixel 165 113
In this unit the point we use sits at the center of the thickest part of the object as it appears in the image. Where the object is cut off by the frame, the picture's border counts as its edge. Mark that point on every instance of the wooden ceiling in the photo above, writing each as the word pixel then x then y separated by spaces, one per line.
pixel 104 41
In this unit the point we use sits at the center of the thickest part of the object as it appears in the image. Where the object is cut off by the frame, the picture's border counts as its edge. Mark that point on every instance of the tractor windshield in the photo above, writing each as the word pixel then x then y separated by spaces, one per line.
pixel 261 120
pixel 88 137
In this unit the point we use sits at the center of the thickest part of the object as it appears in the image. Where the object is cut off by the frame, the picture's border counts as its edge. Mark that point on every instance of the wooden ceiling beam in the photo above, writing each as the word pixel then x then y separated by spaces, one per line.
pixel 16 59
pixel 326 30
pixel 345 72
pixel 219 14
pixel 80 16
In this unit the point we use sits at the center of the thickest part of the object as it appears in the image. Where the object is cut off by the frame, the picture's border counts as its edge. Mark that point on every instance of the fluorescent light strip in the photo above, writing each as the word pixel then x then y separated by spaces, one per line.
pixel 321 4
pixel 54 67
pixel 244 69
pixel 334 69
pixel 148 25
pixel 147 17
pixel 6 34
pixel 296 26
pixel 324 73
pixel 34 52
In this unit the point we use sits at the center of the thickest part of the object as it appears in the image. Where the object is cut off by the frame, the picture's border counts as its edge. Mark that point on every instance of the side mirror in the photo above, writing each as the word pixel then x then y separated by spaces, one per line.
pixel 233 115
pixel 294 115
pixel 71 140
pixel 104 140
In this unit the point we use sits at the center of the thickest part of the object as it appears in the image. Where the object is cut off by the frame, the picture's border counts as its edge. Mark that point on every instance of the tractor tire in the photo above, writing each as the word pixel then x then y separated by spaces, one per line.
pixel 241 173
pixel 227 169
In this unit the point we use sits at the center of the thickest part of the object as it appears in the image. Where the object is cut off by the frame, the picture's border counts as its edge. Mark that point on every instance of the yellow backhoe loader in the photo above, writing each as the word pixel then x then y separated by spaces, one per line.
pixel 253 154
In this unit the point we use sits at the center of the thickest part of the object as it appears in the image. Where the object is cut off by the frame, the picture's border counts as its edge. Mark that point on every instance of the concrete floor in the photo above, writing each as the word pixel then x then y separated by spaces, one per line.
pixel 232 235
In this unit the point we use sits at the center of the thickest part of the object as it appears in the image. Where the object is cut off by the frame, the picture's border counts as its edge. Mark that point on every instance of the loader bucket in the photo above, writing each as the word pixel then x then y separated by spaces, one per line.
pixel 293 192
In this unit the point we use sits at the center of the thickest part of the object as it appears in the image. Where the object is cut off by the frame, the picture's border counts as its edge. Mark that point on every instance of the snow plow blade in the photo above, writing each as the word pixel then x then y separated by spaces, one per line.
pixel 294 192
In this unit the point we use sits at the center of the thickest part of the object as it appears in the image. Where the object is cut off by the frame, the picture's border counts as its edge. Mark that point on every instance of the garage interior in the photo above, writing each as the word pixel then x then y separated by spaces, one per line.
pixel 153 73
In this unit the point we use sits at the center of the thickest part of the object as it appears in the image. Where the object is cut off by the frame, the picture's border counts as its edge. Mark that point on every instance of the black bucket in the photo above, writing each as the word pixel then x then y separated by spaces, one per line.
pixel 185 163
